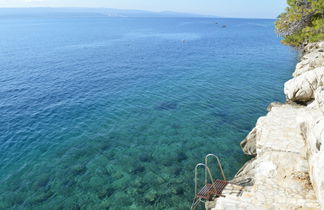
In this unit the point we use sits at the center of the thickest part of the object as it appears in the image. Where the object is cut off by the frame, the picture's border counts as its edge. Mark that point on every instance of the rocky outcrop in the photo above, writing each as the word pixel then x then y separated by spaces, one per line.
pixel 314 47
pixel 309 62
pixel 248 145
pixel 280 171
pixel 288 170
pixel 311 121
pixel 312 128
pixel 303 87
pixel 308 76
pixel 318 103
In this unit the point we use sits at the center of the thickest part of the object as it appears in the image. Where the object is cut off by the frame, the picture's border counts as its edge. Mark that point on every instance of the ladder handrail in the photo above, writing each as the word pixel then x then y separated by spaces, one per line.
pixel 195 202
pixel 196 175
pixel 207 173
pixel 219 165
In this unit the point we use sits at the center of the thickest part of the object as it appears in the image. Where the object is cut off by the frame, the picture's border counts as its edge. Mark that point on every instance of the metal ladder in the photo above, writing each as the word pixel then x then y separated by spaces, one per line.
pixel 219 165
pixel 208 173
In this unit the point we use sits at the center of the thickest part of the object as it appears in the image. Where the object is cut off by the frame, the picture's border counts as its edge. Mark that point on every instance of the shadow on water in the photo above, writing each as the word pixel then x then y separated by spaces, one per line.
pixel 169 105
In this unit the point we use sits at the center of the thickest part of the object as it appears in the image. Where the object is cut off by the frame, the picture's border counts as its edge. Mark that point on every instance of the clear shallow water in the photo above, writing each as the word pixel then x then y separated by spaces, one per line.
pixel 114 113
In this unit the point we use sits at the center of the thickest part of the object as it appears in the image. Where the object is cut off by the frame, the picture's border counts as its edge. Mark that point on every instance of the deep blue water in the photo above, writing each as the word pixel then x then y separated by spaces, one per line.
pixel 114 113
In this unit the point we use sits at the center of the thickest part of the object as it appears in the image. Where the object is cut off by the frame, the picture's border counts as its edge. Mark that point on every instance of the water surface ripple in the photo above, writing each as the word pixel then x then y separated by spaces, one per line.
pixel 114 113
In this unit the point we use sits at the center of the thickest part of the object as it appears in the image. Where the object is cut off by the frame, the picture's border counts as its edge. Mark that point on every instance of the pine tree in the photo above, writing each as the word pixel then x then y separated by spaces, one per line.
pixel 303 22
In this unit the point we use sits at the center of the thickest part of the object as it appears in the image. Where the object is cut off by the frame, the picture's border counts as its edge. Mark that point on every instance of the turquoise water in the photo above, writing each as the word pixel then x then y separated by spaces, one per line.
pixel 114 113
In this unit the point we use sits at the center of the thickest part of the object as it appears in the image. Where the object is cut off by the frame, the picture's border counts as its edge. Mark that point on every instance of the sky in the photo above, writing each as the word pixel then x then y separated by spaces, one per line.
pixel 223 8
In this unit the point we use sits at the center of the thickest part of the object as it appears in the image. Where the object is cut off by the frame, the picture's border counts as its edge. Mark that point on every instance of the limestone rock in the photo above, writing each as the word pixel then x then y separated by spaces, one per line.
pixel 312 127
pixel 246 173
pixel 319 97
pixel 318 103
pixel 248 145
pixel 274 104
pixel 302 88
pixel 277 128
pixel 314 47
pixel 309 62
pixel 273 131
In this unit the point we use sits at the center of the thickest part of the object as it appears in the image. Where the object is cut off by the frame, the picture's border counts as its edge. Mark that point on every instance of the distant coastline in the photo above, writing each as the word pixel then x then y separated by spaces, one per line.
pixel 98 11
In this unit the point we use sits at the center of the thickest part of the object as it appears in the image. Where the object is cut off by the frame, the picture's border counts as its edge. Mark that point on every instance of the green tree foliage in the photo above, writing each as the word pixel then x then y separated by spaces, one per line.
pixel 303 22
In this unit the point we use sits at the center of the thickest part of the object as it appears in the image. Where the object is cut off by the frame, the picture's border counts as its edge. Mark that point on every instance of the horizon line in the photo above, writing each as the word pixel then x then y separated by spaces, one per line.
pixel 149 11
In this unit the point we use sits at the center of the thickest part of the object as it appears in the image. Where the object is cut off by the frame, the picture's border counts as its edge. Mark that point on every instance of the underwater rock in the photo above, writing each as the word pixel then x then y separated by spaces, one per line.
pixel 117 175
pixel 105 204
pixel 166 106
pixel 136 169
pixel 121 200
pixel 66 203
pixel 41 181
pixel 150 196
pixel 145 157
pixel 104 146
pixel 139 184
pixel 79 169
pixel 41 197
pixel 167 161
pixel 175 171
pixel 160 180
pixel 181 156
pixel 13 199
pixel 178 190
pixel 105 192
pixel 103 171
pixel 220 114
pixel 68 184
pixel 97 182
pixel 176 126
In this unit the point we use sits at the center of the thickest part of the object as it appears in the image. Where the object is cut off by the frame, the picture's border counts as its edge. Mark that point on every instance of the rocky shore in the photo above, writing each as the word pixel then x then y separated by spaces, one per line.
pixel 287 171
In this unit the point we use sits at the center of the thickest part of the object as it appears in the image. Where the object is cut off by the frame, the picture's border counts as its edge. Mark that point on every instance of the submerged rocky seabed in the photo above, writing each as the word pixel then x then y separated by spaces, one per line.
pixel 288 169
pixel 109 172
pixel 97 176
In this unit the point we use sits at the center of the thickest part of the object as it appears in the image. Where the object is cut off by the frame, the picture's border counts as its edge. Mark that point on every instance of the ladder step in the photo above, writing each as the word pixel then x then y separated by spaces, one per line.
pixel 209 190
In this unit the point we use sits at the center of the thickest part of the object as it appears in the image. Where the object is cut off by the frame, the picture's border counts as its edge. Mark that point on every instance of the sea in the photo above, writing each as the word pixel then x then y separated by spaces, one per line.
pixel 100 112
